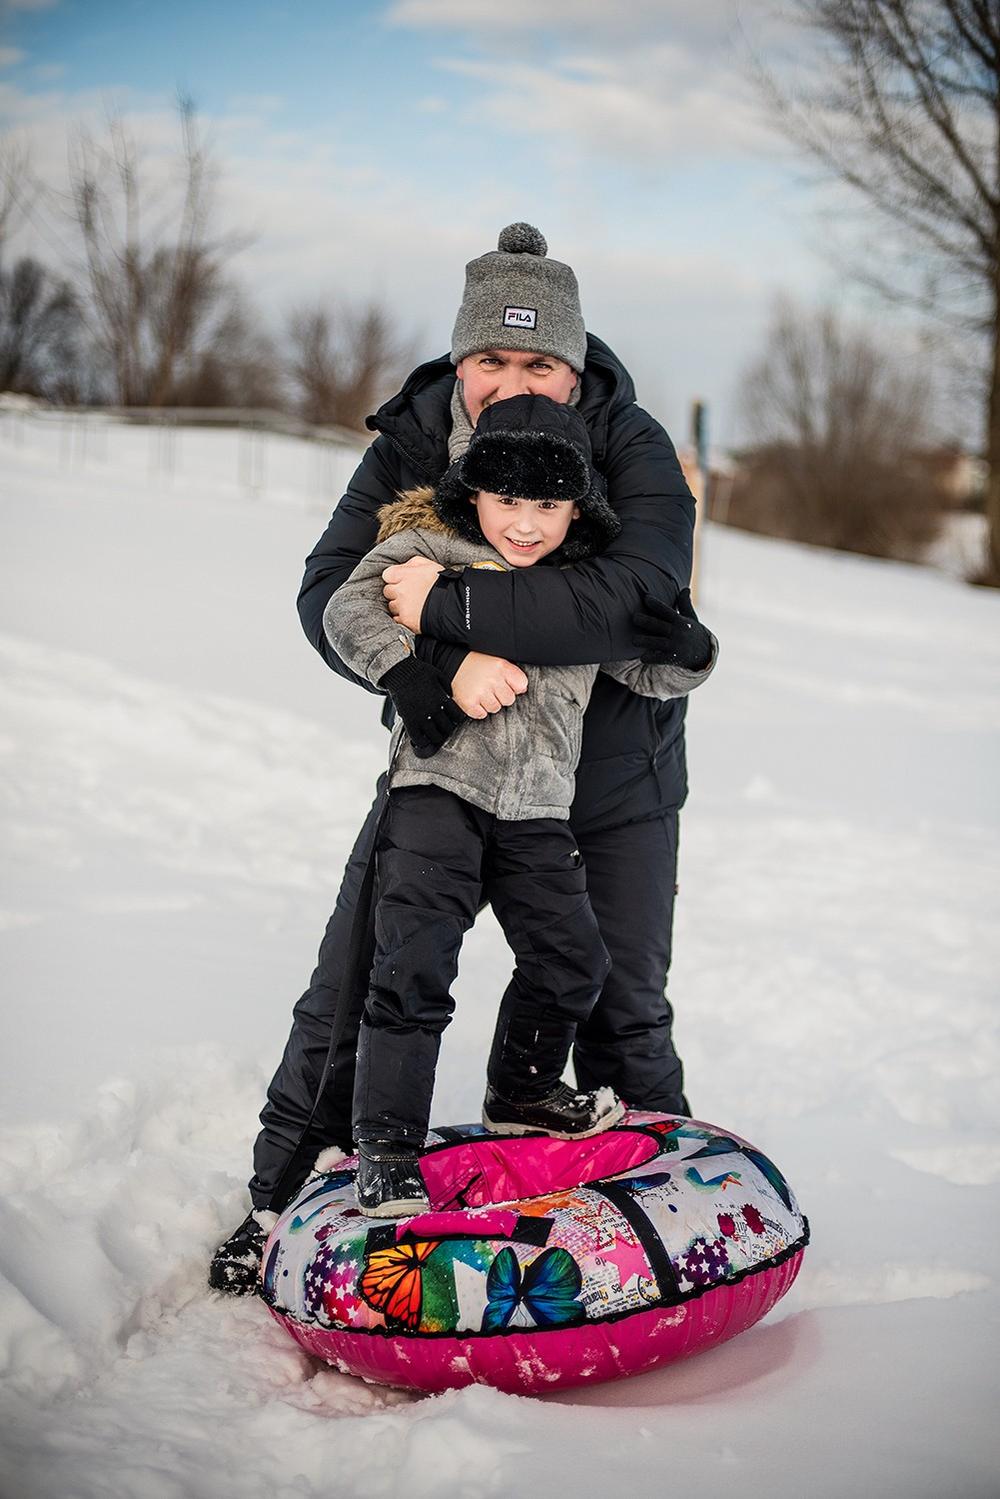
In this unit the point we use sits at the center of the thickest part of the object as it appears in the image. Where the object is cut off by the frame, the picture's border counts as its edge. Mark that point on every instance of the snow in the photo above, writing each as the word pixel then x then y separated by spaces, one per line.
pixel 180 782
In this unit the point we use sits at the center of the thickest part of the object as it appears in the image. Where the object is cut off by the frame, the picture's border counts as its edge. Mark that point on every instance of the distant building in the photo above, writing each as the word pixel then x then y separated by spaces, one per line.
pixel 960 477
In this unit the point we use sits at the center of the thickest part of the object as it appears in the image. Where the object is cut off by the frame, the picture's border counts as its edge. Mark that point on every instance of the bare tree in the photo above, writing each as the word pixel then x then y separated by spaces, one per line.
pixel 342 366
pixel 905 111
pixel 40 333
pixel 154 270
pixel 18 188
pixel 239 367
pixel 840 426
pixel 40 322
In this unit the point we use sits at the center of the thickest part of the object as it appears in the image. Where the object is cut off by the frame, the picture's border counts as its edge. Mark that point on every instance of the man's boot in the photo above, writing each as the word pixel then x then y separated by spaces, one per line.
pixel 235 1267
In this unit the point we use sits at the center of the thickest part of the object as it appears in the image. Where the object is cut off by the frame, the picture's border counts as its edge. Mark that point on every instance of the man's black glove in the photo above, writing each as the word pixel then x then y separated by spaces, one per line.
pixel 423 700
pixel 672 636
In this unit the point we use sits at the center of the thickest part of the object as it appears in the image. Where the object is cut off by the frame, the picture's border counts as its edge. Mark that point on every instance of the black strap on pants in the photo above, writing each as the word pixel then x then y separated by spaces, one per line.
pixel 356 971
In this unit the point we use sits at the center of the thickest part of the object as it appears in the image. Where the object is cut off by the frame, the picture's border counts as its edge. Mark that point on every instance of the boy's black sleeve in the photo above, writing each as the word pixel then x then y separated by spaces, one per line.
pixel 440 653
pixel 550 616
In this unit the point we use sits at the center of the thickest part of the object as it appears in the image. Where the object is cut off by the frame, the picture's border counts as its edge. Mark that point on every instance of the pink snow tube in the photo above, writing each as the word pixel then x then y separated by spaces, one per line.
pixel 542 1263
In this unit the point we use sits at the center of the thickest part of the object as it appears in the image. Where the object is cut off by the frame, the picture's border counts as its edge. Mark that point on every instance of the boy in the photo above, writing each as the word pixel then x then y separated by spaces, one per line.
pixel 481 809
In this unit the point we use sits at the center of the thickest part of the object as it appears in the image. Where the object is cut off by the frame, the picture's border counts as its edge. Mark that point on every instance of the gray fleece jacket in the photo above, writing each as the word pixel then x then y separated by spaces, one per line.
pixel 518 763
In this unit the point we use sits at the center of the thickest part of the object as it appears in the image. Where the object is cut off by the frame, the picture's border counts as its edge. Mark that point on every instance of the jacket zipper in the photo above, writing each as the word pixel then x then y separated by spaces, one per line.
pixel 409 458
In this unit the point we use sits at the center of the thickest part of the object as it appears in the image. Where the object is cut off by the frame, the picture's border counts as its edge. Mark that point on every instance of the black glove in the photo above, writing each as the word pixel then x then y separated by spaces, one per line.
pixel 423 700
pixel 669 636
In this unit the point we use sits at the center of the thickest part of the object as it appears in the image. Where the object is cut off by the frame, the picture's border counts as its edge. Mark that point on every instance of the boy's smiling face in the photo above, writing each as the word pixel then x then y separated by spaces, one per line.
pixel 524 531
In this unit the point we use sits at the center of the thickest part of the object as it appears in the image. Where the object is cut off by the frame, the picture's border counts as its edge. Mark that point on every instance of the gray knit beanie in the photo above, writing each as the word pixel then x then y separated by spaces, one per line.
pixel 516 298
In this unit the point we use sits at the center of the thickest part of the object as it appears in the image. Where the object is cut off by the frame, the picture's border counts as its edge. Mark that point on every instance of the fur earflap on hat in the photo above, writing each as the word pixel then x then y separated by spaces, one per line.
pixel 531 448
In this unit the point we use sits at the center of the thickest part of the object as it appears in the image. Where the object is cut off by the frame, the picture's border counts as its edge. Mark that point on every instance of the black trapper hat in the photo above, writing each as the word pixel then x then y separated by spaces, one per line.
pixel 531 448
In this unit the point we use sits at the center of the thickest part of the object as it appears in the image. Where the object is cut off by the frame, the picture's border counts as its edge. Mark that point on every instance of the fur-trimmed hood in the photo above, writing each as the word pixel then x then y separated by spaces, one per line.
pixel 412 510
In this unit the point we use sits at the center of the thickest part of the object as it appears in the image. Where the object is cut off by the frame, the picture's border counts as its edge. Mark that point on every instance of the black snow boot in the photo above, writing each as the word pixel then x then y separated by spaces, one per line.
pixel 562 1113
pixel 235 1267
pixel 388 1181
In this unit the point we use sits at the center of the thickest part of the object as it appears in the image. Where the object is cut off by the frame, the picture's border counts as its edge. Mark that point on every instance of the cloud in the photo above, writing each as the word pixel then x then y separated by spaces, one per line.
pixel 654 83
pixel 9 56
pixel 645 82
pixel 260 104
pixel 649 105
pixel 49 116
pixel 623 19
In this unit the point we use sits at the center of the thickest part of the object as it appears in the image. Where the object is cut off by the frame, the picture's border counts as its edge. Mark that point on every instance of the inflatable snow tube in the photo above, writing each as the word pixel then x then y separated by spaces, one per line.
pixel 542 1263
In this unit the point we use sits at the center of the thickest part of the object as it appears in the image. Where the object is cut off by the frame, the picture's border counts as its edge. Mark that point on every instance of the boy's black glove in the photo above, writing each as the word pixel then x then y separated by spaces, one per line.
pixel 423 700
pixel 672 636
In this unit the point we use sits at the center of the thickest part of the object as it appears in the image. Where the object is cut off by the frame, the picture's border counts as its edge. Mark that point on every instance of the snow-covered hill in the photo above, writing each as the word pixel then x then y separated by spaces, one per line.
pixel 181 781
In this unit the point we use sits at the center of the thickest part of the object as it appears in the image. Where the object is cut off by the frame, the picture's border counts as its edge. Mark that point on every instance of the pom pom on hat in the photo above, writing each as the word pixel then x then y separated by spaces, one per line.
pixel 522 239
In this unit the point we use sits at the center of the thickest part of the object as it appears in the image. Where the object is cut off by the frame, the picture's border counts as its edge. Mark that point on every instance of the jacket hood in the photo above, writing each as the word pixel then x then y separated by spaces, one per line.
pixel 417 419
pixel 412 511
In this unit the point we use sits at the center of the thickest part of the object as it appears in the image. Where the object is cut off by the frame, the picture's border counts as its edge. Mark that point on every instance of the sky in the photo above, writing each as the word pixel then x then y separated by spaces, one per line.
pixel 369 148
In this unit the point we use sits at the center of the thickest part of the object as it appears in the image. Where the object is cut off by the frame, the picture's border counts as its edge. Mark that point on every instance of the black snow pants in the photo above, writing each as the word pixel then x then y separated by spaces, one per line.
pixel 627 1042
pixel 438 858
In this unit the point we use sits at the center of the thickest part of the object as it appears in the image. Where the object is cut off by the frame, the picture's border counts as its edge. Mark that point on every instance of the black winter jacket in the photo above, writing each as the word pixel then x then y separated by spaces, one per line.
pixel 632 764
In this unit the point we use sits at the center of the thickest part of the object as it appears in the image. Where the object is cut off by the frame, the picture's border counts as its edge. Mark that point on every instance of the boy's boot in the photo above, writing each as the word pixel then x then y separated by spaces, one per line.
pixel 388 1181
pixel 235 1267
pixel 561 1112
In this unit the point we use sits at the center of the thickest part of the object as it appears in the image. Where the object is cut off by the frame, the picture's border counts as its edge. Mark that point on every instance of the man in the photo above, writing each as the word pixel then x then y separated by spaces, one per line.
pixel 519 330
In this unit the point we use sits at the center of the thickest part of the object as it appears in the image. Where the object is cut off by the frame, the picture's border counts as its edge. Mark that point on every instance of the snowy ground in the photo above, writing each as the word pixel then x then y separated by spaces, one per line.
pixel 181 779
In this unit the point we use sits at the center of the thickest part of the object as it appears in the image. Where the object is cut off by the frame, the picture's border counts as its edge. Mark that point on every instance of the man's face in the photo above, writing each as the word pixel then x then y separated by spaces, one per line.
pixel 498 374
pixel 523 531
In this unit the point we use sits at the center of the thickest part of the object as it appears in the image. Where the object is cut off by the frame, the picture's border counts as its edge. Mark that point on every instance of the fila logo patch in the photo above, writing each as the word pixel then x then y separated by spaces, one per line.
pixel 520 317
